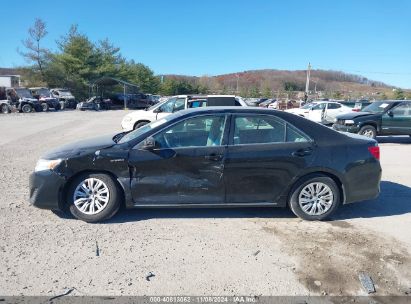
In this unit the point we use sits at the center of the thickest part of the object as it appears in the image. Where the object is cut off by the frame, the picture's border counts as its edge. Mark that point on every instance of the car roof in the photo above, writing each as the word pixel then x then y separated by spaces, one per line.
pixel 203 96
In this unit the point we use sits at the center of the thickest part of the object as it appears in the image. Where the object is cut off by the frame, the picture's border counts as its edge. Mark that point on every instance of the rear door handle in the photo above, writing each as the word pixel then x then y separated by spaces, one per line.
pixel 214 157
pixel 302 152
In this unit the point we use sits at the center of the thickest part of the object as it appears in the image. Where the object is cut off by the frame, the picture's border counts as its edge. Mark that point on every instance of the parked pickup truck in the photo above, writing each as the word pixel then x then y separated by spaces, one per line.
pixel 137 119
pixel 391 117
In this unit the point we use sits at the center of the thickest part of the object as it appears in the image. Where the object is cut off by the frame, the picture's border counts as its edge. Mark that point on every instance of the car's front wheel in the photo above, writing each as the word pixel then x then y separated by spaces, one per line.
pixel 27 108
pixel 140 124
pixel 93 197
pixel 368 131
pixel 315 198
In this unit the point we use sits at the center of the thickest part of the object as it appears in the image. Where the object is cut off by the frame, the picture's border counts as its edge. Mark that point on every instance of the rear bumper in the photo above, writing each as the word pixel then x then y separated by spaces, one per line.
pixel 344 128
pixel 46 190
pixel 363 183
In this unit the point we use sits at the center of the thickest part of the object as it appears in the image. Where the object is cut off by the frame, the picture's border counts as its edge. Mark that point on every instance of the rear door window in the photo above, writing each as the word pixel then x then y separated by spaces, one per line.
pixel 264 129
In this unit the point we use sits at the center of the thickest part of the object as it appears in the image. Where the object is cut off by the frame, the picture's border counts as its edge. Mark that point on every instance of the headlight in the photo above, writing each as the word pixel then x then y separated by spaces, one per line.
pixel 46 164
pixel 349 122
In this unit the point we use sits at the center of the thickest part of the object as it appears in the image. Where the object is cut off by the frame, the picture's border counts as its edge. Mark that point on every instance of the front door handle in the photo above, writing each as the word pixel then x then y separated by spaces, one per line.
pixel 214 157
pixel 302 152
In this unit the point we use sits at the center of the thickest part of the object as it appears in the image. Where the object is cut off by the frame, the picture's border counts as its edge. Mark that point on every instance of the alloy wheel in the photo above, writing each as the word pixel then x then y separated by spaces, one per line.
pixel 368 133
pixel 316 198
pixel 91 196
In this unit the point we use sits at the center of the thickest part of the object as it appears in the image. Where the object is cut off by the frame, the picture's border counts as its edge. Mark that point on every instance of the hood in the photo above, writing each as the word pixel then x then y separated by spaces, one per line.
pixel 353 114
pixel 81 147
pixel 34 100
pixel 138 113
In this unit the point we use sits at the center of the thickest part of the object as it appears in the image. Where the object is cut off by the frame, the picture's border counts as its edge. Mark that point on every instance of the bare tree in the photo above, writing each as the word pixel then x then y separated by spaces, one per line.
pixel 34 51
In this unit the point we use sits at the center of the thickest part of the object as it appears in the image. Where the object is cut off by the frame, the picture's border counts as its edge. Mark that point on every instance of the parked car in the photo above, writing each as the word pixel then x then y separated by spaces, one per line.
pixel 254 102
pixel 4 103
pixel 43 95
pixel 321 111
pixel 140 118
pixel 214 156
pixel 21 99
pixel 65 98
pixel 266 103
pixel 134 100
pixel 5 106
pixel 391 117
pixel 95 103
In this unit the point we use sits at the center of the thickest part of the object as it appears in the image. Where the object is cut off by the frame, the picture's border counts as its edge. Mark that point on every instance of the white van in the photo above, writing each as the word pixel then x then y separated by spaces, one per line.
pixel 136 119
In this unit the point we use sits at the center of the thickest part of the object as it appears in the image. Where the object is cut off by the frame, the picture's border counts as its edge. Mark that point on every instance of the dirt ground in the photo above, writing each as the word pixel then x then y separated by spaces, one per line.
pixel 253 251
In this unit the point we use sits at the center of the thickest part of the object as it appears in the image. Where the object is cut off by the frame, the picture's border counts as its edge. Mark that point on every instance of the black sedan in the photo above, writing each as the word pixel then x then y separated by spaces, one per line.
pixel 211 157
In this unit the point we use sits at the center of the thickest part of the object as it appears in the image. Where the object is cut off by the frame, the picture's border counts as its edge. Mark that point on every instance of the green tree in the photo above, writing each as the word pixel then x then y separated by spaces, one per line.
pixel 78 61
pixel 267 92
pixel 399 94
pixel 254 92
pixel 337 95
pixel 141 75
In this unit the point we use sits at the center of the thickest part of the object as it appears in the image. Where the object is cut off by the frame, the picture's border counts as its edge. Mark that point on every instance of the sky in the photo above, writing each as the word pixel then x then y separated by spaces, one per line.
pixel 211 37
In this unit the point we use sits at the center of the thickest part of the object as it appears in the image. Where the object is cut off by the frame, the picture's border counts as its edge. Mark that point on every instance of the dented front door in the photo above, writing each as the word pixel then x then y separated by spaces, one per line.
pixel 190 175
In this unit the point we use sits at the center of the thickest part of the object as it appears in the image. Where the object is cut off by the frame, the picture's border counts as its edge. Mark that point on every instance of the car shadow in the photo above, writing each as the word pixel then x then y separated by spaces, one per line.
pixel 394 199
pixel 394 139
pixel 134 215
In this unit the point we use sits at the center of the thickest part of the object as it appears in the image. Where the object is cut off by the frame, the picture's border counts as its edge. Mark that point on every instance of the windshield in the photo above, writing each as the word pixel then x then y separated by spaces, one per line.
pixel 140 131
pixel 65 93
pixel 308 106
pixel 156 105
pixel 23 93
pixel 43 92
pixel 376 107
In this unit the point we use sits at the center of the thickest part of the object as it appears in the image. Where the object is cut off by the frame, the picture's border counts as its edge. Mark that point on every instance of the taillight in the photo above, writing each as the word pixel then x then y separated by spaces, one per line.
pixel 356 110
pixel 375 151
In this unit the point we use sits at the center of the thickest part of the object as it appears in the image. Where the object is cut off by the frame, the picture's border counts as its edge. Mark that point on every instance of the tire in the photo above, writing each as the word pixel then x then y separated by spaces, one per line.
pixel 26 108
pixel 110 202
pixel 368 131
pixel 62 105
pixel 299 200
pixel 5 109
pixel 45 107
pixel 140 124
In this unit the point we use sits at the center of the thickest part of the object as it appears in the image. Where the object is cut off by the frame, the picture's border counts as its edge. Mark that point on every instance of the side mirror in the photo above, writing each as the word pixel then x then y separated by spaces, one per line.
pixel 390 113
pixel 158 110
pixel 149 143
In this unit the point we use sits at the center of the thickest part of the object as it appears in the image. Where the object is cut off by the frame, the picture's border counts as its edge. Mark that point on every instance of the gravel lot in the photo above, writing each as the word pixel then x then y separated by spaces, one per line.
pixel 252 251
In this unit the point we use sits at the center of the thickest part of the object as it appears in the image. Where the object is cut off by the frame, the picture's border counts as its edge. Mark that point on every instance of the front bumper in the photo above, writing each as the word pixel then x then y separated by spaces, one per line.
pixel 46 188
pixel 346 128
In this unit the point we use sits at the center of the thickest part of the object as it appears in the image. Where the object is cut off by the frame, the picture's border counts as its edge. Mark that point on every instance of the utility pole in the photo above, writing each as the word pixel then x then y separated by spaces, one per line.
pixel 307 83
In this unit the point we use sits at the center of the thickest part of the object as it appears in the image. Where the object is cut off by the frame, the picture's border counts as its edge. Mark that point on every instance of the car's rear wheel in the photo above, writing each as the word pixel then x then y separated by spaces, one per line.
pixel 368 131
pixel 45 107
pixel 93 197
pixel 315 198
pixel 5 109
pixel 27 108
pixel 140 124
